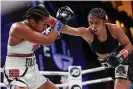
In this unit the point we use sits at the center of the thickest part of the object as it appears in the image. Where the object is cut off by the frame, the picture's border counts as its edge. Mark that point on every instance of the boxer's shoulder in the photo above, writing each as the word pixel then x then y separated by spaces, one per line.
pixel 19 26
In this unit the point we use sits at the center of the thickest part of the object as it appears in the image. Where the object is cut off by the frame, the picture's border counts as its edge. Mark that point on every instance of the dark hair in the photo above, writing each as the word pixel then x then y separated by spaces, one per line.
pixel 98 12
pixel 37 13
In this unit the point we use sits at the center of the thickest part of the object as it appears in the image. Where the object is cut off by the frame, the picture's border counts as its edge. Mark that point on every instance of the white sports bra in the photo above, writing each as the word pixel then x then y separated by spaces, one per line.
pixel 25 47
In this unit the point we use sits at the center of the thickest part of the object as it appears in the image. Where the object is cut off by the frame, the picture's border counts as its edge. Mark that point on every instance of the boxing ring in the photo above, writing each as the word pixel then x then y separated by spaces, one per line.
pixel 74 76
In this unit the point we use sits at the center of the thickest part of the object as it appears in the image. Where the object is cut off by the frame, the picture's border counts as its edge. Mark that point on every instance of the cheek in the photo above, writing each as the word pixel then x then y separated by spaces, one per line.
pixel 39 27
pixel 45 27
pixel 100 28
pixel 91 26
pixel 42 28
pixel 100 25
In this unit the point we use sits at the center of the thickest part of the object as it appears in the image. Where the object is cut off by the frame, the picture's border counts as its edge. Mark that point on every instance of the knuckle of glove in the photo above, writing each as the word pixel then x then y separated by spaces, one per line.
pixel 112 60
pixel 64 14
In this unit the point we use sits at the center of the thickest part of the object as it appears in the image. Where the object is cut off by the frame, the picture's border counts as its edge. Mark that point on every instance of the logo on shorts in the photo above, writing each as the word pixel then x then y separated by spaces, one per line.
pixel 30 61
pixel 121 70
pixel 14 73
pixel 76 87
pixel 75 72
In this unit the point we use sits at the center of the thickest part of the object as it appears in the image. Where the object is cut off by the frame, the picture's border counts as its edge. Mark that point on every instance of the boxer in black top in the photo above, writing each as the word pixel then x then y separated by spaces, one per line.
pixel 104 39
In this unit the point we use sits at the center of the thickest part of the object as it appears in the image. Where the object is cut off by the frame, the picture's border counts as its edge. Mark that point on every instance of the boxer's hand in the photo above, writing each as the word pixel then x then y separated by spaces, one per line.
pixel 55 24
pixel 64 14
pixel 112 60
pixel 47 31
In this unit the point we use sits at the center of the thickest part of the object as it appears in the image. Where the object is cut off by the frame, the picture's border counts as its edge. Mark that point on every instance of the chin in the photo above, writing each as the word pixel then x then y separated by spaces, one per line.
pixel 96 33
pixel 39 31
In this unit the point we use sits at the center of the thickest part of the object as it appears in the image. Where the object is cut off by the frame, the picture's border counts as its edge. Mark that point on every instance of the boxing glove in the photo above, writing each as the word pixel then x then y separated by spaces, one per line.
pixel 112 60
pixel 115 59
pixel 64 14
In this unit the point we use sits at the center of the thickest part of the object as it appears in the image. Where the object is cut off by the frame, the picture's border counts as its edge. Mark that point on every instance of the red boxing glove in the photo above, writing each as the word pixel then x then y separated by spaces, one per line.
pixel 124 52
pixel 55 24
pixel 51 21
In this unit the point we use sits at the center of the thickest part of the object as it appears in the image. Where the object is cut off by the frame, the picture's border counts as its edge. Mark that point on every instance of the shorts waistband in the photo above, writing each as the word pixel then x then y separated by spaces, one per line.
pixel 20 61
pixel 20 55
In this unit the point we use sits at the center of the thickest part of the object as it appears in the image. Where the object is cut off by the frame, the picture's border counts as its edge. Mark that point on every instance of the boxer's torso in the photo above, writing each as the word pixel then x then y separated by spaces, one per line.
pixel 23 48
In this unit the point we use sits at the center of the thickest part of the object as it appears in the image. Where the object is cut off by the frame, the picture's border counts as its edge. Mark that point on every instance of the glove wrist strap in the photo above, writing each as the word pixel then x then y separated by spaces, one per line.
pixel 58 26
pixel 124 52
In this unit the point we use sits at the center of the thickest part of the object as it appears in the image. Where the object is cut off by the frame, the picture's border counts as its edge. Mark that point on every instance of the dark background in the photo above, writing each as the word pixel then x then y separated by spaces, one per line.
pixel 67 50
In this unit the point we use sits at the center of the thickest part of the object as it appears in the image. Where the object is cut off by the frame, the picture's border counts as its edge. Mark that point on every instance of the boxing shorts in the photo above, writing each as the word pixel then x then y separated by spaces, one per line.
pixel 125 70
pixel 23 72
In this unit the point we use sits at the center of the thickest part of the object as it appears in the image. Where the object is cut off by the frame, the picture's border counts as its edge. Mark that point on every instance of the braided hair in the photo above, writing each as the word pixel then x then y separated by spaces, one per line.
pixel 37 13
pixel 98 13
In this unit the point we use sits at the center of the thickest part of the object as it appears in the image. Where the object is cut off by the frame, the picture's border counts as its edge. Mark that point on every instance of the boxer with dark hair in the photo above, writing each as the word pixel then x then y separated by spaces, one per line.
pixel 104 39
pixel 21 70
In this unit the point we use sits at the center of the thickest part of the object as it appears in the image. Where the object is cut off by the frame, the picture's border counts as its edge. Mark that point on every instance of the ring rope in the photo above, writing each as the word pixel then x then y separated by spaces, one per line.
pixel 66 73
pixel 83 83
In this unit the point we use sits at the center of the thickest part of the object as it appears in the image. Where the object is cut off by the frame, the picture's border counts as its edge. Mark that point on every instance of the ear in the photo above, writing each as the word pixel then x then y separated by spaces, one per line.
pixel 106 20
pixel 32 21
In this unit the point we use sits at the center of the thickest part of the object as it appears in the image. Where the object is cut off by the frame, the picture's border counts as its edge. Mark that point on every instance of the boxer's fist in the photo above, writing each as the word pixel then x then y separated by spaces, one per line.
pixel 112 60
pixel 47 31
pixel 64 14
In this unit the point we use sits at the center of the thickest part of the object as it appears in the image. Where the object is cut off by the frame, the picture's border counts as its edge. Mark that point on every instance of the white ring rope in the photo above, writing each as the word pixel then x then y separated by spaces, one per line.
pixel 83 83
pixel 66 74
pixel 53 73
pixel 97 81
pixel 93 70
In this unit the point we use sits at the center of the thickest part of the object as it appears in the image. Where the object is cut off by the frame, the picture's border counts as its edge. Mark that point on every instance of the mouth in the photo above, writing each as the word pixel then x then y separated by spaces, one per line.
pixel 94 30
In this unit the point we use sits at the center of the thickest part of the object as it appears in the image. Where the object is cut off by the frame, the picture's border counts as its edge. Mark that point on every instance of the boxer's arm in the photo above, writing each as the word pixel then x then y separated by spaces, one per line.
pixel 28 34
pixel 123 39
pixel 74 31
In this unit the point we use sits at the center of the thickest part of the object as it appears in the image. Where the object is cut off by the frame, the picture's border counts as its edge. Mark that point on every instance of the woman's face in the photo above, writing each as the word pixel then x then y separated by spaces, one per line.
pixel 96 24
pixel 41 25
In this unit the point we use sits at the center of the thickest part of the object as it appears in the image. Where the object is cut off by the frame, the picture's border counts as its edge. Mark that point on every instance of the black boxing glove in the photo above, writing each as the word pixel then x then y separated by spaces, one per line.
pixel 112 60
pixel 64 14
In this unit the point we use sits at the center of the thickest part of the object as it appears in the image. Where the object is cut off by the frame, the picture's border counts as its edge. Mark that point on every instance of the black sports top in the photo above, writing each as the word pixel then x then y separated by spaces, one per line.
pixel 107 46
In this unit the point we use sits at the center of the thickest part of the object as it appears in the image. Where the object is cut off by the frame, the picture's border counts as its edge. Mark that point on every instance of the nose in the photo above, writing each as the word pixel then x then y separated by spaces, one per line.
pixel 93 26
